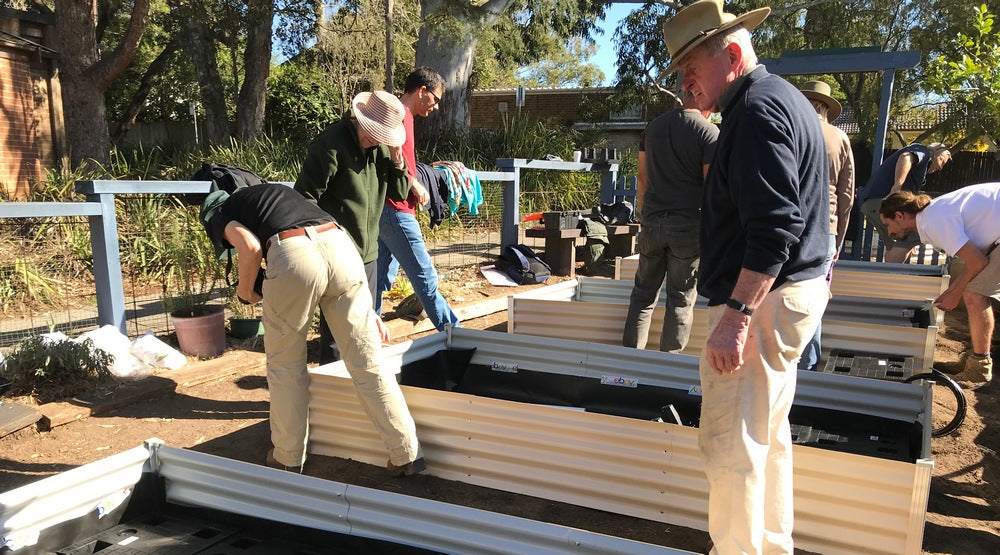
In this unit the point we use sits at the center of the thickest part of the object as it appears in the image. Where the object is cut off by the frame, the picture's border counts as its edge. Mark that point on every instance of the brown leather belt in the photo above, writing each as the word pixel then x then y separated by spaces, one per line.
pixel 300 231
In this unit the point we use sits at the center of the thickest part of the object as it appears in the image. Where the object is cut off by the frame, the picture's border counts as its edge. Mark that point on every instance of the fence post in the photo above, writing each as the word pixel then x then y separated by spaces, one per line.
pixel 511 195
pixel 107 258
pixel 609 178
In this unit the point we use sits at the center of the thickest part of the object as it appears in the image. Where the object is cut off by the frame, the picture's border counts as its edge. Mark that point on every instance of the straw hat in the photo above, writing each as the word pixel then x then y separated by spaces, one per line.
pixel 700 21
pixel 380 114
pixel 818 90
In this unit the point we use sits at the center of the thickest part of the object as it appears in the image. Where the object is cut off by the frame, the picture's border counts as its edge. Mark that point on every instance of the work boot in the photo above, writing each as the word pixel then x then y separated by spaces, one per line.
pixel 978 371
pixel 273 463
pixel 409 469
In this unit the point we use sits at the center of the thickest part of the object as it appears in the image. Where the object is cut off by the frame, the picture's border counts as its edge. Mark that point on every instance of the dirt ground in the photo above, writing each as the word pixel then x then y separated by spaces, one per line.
pixel 228 417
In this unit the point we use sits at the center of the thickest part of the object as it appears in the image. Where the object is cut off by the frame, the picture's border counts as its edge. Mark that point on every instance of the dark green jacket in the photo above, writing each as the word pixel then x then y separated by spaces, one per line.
pixel 351 184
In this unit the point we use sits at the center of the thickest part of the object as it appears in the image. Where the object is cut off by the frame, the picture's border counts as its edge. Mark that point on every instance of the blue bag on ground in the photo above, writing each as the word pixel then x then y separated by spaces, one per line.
pixel 522 265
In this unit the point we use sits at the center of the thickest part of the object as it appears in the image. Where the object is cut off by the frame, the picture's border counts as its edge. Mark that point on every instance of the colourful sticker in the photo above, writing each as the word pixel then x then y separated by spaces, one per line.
pixel 620 381
pixel 504 367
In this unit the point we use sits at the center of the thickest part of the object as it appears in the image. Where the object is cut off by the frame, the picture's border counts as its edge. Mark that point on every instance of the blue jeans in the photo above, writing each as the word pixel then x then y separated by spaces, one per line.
pixel 400 243
pixel 668 250
pixel 812 353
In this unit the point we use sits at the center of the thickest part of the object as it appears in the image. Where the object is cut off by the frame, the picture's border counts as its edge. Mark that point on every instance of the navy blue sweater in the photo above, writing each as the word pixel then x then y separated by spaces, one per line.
pixel 766 201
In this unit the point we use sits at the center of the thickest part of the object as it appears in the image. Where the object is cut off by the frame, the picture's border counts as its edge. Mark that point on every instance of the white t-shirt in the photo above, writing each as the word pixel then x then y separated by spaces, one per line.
pixel 969 214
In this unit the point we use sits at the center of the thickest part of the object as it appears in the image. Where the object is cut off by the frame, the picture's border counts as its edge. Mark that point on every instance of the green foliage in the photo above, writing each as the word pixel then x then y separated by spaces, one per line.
pixel 301 102
pixel 191 269
pixel 970 75
pixel 51 371
pixel 564 68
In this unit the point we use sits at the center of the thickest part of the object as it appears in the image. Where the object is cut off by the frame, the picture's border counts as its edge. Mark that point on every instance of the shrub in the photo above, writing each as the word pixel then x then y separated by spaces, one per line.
pixel 53 370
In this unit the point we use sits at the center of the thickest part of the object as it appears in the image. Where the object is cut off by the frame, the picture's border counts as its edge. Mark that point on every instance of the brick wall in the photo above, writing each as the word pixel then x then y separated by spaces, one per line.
pixel 488 108
pixel 20 159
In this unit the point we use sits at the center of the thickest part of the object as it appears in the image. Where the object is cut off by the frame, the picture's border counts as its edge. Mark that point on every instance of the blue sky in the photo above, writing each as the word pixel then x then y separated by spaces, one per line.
pixel 605 57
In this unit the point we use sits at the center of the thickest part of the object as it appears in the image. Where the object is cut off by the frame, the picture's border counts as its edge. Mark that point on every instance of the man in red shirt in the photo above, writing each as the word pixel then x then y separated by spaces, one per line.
pixel 400 242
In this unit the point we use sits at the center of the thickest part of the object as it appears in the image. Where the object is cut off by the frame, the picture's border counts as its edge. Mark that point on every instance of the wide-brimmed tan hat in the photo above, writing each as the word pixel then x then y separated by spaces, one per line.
pixel 381 115
pixel 701 21
pixel 818 90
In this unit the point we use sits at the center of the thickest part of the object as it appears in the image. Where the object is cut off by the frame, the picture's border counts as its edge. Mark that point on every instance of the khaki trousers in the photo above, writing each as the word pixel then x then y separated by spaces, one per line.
pixel 325 270
pixel 744 435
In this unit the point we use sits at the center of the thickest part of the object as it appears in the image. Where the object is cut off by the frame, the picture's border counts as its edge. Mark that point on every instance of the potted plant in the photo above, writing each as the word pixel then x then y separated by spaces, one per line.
pixel 244 322
pixel 191 272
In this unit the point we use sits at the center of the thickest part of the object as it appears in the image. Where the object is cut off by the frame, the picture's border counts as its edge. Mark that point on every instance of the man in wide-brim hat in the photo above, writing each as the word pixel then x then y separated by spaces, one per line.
pixel 764 237
pixel 350 169
pixel 838 151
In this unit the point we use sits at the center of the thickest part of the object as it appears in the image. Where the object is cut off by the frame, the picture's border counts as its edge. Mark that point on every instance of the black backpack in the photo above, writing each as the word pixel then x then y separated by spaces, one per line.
pixel 522 265
pixel 225 178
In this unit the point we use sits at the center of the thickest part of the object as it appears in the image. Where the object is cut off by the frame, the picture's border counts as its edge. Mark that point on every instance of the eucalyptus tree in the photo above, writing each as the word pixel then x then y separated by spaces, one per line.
pixel 451 31
pixel 87 69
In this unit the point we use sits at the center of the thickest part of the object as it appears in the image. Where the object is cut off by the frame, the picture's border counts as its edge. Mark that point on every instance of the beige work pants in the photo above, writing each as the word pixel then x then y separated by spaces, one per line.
pixel 744 435
pixel 325 269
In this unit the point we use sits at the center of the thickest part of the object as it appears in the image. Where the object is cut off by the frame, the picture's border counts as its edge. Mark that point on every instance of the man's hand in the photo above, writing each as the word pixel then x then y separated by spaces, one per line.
pixel 396 155
pixel 421 193
pixel 724 349
pixel 949 299
pixel 247 294
pixel 383 331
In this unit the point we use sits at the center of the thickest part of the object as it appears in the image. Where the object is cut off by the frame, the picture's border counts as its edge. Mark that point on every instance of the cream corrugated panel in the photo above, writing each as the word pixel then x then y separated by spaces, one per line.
pixel 859 279
pixel 895 312
pixel 604 322
pixel 845 503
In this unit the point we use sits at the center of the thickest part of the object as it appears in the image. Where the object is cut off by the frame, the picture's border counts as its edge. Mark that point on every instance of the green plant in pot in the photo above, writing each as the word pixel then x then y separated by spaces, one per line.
pixel 191 272
pixel 245 322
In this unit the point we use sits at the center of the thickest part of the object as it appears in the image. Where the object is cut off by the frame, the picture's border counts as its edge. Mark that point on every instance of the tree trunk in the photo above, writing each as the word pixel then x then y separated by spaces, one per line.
pixel 451 53
pixel 200 47
pixel 85 75
pixel 157 66
pixel 257 65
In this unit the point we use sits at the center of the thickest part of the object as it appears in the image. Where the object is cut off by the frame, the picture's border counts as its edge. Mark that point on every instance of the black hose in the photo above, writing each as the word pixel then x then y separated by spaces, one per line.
pixel 940 377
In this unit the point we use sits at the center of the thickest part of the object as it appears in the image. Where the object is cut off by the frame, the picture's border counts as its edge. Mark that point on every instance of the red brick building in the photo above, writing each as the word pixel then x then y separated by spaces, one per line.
pixel 32 136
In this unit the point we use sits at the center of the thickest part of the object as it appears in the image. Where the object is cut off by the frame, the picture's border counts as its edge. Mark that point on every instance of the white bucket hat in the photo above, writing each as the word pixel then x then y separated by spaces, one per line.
pixel 380 114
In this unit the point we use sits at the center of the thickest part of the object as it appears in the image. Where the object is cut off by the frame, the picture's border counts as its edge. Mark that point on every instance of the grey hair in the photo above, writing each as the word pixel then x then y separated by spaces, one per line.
pixel 738 35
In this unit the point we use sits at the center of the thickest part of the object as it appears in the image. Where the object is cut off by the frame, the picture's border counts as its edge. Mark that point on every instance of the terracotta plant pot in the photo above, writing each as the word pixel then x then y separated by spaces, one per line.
pixel 203 336
pixel 244 328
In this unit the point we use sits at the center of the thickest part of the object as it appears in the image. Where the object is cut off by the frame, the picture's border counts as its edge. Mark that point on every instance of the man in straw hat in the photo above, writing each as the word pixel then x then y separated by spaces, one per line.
pixel 904 170
pixel 311 261
pixel 765 230
pixel 838 151
pixel 350 169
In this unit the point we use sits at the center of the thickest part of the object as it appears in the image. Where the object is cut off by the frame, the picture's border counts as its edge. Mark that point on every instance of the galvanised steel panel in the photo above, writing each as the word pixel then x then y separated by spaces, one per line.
pixel 254 490
pixel 209 481
pixel 845 503
pixel 891 312
pixel 860 279
pixel 28 510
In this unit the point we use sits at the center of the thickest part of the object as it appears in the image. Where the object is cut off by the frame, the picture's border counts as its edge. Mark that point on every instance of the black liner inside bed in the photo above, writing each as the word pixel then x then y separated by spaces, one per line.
pixel 451 370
